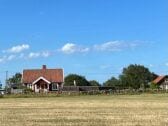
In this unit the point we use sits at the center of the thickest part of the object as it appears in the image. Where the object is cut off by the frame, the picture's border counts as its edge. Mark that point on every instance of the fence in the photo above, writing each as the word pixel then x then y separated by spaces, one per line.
pixel 16 91
pixel 95 90
pixel 80 88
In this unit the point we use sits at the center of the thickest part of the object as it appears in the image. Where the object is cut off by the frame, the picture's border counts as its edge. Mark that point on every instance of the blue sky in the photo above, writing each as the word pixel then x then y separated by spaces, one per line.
pixel 94 38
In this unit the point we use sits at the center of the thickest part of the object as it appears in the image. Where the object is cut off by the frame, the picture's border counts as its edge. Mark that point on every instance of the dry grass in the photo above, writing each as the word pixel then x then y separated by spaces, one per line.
pixel 123 110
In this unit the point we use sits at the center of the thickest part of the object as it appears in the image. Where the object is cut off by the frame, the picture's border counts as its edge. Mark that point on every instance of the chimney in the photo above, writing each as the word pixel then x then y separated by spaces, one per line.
pixel 44 67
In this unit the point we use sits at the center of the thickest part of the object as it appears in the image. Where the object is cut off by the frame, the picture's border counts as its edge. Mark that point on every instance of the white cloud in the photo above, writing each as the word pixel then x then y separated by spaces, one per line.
pixel 115 46
pixel 17 49
pixel 16 52
pixel 45 54
pixel 69 48
pixel 111 46
pixel 33 55
pixel 39 54
pixel 108 46
pixel 7 58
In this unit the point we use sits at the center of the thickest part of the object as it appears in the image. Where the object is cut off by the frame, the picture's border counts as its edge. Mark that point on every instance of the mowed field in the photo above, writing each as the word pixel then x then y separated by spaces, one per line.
pixel 114 110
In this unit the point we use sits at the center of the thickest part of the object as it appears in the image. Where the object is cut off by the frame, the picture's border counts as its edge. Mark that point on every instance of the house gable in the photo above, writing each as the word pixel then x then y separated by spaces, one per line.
pixel 41 78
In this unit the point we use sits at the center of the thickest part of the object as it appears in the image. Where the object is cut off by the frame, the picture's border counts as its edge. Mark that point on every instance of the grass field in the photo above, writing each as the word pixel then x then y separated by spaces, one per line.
pixel 121 110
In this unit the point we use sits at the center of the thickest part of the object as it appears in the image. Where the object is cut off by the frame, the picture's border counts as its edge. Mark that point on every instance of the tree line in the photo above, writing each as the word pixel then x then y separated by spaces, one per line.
pixel 133 77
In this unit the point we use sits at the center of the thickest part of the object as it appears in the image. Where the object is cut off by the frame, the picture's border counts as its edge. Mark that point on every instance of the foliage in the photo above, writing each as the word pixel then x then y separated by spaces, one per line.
pixel 136 76
pixel 16 79
pixel 123 82
pixel 80 80
pixel 154 86
pixel 94 83
pixel 133 77
pixel 28 90
pixel 113 82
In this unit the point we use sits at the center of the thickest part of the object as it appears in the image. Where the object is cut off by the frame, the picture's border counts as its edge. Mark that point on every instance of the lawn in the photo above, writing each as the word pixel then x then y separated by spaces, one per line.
pixel 119 110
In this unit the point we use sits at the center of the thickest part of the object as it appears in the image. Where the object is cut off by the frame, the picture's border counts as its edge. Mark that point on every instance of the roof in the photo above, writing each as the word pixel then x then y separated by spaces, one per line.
pixel 158 79
pixel 52 75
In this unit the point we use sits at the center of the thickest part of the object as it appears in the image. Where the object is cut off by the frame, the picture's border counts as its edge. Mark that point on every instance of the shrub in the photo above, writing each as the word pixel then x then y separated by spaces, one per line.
pixel 154 86
pixel 28 91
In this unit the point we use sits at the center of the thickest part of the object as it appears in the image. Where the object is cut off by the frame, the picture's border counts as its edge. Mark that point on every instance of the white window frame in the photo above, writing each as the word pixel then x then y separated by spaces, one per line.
pixel 54 85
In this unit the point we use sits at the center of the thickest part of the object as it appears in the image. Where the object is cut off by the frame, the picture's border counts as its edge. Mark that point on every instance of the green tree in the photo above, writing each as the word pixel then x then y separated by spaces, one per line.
pixel 78 79
pixel 136 76
pixel 123 82
pixel 16 79
pixel 113 82
pixel 94 83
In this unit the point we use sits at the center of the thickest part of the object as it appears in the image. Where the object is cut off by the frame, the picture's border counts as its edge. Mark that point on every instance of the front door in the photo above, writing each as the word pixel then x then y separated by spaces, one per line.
pixel 42 86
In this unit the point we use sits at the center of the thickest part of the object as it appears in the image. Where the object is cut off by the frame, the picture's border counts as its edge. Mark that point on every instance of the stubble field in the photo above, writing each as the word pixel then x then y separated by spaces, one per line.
pixel 119 110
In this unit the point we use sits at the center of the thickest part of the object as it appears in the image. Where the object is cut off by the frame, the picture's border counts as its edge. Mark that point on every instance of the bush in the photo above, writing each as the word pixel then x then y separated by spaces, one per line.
pixel 154 86
pixel 28 91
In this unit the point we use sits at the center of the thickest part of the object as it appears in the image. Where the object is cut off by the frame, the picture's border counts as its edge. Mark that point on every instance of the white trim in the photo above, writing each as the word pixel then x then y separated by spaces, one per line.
pixel 42 79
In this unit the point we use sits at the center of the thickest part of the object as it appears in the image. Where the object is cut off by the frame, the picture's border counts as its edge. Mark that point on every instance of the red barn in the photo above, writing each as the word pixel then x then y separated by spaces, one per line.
pixel 43 80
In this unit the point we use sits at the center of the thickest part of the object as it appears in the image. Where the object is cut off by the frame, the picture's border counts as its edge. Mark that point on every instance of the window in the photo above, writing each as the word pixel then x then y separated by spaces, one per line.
pixel 54 86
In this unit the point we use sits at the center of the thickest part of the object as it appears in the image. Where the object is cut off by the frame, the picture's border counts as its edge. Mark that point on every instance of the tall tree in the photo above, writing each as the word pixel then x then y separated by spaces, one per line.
pixel 16 79
pixel 78 80
pixel 136 76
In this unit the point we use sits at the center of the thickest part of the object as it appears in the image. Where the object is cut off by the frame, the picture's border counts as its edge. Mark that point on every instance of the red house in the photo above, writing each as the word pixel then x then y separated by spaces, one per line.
pixel 43 80
pixel 162 81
